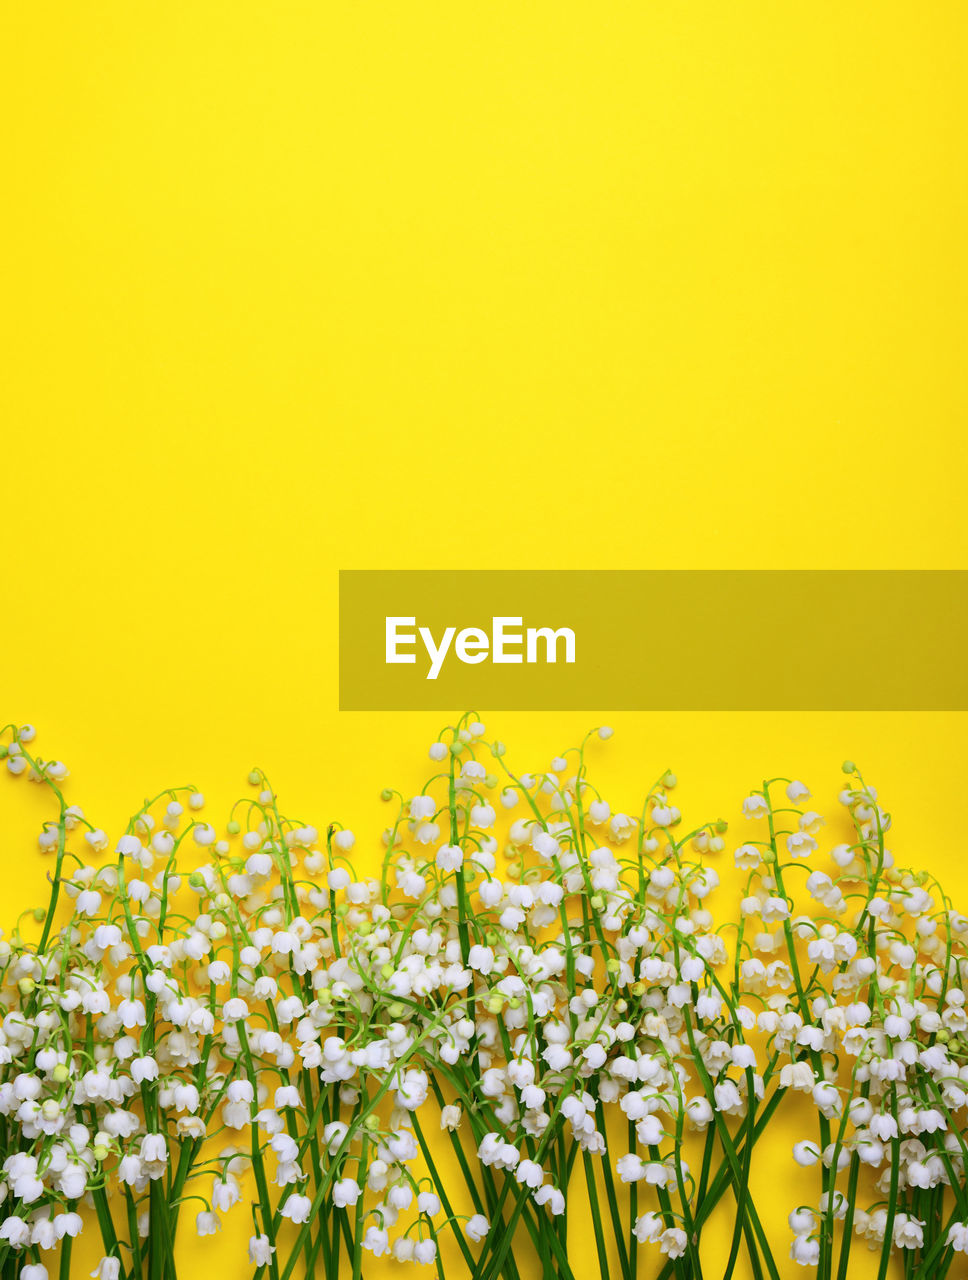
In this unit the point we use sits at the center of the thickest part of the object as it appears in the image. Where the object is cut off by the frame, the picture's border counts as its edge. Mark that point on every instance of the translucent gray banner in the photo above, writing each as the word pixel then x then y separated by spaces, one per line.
pixel 653 640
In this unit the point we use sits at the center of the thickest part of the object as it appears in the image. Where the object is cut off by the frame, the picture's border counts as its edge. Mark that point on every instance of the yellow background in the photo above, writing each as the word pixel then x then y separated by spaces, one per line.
pixel 295 287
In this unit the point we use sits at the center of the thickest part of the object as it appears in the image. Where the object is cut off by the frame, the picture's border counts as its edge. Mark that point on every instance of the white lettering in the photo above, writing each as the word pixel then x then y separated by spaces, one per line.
pixel 474 645
pixel 437 655
pixel 502 638
pixel 551 639
pixel 394 640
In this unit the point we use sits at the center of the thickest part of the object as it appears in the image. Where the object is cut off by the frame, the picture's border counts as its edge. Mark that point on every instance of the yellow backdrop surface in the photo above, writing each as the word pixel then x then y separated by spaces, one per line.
pixel 295 287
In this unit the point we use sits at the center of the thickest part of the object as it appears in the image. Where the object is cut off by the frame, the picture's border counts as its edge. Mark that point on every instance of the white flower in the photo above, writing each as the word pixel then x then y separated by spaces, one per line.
pixel 747 856
pixel 260 1250
pixel 143 1069
pixel 545 845
pixel 630 1167
pixel 529 1173
pixel 345 1192
pixel 800 845
pixel 648 1228
pixel 673 1242
pixel 27 1187
pixel 450 1117
pixel 296 1208
pixel 805 1251
pixel 883 1127
pixel 806 1153
pixel 68 1224
pixel 743 1056
pixel 376 1241
pixel 663 815
pixel 958 1237
pixel 908 1232
pixel 154 1154
pixel 797 1075
pixel 700 1112
pixel 552 1197
pixel 477 1227
pixel 450 857
pixel 483 816
pixel 15 1231
pixel 88 902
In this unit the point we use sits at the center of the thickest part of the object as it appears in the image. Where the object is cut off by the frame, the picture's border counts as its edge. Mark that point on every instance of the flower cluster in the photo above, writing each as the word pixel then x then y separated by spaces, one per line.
pixel 532 990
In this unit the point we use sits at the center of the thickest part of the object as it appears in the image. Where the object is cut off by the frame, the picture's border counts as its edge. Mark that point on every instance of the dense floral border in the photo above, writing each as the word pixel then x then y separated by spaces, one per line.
pixel 533 991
